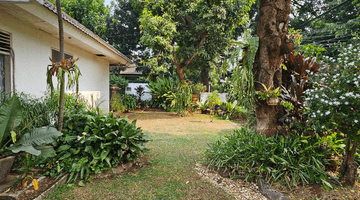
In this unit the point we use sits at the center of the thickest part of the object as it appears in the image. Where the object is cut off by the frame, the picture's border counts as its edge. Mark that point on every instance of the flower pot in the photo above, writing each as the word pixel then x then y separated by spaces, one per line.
pixel 195 98
pixel 5 166
pixel 272 101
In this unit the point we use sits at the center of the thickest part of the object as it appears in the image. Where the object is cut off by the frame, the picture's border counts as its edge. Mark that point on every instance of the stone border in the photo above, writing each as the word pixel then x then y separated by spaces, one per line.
pixel 21 192
pixel 50 189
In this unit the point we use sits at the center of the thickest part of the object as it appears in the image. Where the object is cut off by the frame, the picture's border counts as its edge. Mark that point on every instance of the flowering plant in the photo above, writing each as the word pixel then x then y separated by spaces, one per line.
pixel 335 101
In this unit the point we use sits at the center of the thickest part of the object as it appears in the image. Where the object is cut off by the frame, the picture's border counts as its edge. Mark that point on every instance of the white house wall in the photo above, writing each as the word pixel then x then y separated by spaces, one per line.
pixel 33 48
pixel 132 86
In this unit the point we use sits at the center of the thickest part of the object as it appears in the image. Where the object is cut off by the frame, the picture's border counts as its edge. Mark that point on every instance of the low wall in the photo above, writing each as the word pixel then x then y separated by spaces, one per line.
pixel 131 90
pixel 204 96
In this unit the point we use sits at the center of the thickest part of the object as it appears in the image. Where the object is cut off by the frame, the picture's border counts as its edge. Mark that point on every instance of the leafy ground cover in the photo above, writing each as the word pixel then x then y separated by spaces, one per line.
pixel 177 145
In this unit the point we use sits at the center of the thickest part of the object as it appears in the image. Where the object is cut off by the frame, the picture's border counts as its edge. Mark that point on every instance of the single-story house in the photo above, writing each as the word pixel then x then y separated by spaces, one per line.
pixel 29 36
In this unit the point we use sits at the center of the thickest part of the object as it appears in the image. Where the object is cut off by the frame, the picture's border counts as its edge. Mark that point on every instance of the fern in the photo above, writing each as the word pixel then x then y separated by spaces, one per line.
pixel 242 77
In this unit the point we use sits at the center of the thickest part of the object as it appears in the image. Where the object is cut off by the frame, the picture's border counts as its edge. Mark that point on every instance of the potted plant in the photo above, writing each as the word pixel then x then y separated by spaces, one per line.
pixel 197 90
pixel 12 141
pixel 268 95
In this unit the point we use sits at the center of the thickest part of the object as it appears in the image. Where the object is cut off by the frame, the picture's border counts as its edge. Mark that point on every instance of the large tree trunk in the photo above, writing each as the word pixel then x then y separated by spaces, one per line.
pixel 274 43
pixel 348 169
pixel 62 55
pixel 204 77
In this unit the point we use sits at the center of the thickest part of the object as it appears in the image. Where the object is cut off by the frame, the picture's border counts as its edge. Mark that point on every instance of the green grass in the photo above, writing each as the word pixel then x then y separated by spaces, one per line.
pixel 169 174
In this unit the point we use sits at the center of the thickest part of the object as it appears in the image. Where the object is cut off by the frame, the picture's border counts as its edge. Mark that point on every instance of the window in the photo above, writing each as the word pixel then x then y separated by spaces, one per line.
pixel 55 55
pixel 5 73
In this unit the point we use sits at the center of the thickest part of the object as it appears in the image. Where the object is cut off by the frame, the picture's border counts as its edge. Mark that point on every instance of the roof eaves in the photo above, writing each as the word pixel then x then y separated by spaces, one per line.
pixel 85 30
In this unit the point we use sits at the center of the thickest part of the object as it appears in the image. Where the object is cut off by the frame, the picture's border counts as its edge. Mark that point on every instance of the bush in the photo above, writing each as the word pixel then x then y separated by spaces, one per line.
pixel 39 111
pixel 160 91
pixel 292 160
pixel 93 143
pixel 119 81
pixel 124 103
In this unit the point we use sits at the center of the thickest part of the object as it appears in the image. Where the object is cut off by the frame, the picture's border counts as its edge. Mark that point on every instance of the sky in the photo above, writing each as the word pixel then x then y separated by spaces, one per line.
pixel 107 2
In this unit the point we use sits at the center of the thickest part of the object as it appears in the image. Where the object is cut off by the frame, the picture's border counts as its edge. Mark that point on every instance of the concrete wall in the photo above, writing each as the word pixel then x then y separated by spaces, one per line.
pixel 32 49
pixel 132 86
pixel 204 96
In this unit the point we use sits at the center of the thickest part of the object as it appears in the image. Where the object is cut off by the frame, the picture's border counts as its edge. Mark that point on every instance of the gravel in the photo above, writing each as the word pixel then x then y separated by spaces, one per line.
pixel 238 188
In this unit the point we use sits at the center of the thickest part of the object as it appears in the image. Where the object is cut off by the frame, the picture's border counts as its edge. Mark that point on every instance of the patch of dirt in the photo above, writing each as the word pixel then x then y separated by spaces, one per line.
pixel 171 123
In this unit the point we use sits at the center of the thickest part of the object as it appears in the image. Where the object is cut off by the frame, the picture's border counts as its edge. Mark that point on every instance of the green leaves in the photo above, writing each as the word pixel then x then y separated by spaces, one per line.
pixel 292 160
pixel 107 142
pixel 30 141
pixel 10 118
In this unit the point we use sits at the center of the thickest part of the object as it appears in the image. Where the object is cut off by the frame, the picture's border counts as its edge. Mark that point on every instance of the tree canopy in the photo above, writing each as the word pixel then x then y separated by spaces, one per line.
pixel 123 29
pixel 90 13
pixel 325 22
pixel 177 31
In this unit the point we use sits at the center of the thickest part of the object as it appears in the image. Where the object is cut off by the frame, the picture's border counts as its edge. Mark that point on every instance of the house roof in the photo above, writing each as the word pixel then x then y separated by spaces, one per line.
pixel 82 28
pixel 130 70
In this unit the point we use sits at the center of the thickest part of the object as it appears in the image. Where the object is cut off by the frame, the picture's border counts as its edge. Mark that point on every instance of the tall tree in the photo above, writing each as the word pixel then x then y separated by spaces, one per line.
pixel 62 56
pixel 176 31
pixel 274 42
pixel 325 22
pixel 123 29
pixel 90 13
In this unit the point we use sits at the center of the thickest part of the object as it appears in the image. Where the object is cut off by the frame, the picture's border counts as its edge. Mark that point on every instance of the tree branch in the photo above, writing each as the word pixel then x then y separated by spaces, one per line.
pixel 201 43
pixel 176 61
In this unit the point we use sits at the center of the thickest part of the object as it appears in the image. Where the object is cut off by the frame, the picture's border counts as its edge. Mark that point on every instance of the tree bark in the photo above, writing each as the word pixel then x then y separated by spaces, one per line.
pixel 62 55
pixel 274 42
pixel 348 169
pixel 204 77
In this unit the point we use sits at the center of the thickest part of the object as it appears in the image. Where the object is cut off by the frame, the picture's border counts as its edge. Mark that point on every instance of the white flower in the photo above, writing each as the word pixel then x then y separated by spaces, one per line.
pixel 316 96
pixel 327 112
pixel 318 111
pixel 337 91
pixel 356 82
pixel 347 81
pixel 322 127
pixel 79 138
pixel 330 103
pixel 356 121
pixel 342 97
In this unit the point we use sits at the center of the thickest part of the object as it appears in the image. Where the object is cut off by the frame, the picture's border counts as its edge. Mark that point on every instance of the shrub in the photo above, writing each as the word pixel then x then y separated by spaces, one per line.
pixel 292 160
pixel 198 88
pixel 161 90
pixel 124 103
pixel 334 103
pixel 119 81
pixel 93 143
pixel 182 100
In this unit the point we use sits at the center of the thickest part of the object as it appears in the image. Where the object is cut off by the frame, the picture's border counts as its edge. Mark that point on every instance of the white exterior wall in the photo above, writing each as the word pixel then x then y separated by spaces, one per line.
pixel 146 96
pixel 32 49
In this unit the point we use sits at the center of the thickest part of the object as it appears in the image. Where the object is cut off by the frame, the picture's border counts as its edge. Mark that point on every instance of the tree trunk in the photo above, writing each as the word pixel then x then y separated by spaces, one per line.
pixel 348 169
pixel 180 71
pixel 62 55
pixel 204 77
pixel 274 42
